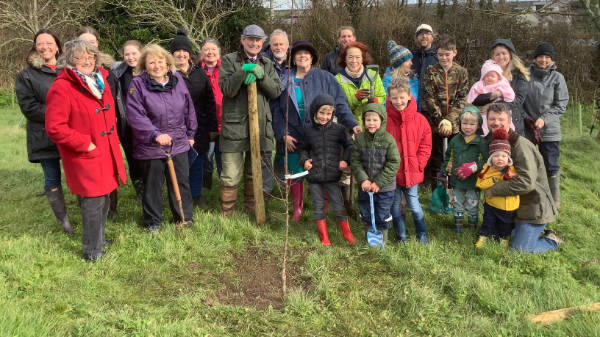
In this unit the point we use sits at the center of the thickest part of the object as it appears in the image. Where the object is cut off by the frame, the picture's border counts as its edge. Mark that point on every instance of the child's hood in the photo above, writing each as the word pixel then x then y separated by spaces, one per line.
pixel 488 66
pixel 380 110
pixel 318 102
pixel 397 115
pixel 474 110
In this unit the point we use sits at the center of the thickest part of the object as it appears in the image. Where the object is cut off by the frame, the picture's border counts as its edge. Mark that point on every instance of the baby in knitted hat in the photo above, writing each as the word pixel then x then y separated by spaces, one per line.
pixel 492 82
pixel 498 211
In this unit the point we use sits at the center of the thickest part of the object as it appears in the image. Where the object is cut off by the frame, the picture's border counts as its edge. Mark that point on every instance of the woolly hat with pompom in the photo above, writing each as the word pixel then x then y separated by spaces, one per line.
pixel 499 142
pixel 181 42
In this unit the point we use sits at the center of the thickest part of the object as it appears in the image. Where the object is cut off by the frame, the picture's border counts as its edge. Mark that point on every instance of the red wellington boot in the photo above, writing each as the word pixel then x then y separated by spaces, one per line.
pixel 345 227
pixel 297 191
pixel 322 226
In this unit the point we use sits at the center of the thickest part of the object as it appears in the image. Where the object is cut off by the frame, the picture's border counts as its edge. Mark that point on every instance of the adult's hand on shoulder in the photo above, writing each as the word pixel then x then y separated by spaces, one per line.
pixel 357 129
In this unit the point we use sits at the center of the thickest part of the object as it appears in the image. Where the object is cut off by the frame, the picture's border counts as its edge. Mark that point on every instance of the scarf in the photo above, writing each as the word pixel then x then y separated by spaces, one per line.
pixel 357 74
pixel 94 81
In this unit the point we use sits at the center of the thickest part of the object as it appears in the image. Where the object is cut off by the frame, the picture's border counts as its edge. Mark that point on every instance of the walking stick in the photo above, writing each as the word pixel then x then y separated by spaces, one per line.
pixel 255 154
pixel 175 185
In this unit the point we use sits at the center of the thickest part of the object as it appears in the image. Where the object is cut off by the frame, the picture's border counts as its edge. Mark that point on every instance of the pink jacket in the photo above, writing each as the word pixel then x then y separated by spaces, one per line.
pixel 508 94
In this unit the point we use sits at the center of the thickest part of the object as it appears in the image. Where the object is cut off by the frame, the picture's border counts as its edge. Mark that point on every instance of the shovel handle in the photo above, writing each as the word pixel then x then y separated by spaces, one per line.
pixel 372 204
pixel 175 185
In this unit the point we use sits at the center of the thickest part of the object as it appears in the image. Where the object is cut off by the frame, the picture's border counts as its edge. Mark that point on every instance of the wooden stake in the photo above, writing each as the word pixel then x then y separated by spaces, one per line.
pixel 255 154
pixel 561 314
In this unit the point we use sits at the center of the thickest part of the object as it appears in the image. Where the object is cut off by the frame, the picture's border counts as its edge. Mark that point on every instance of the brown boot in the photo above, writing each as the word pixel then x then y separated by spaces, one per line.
pixel 249 196
pixel 228 198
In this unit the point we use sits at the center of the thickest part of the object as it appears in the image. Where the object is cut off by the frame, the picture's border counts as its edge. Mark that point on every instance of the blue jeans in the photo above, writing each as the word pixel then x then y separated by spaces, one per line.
pixel 51 168
pixel 526 238
pixel 382 202
pixel 412 203
pixel 196 175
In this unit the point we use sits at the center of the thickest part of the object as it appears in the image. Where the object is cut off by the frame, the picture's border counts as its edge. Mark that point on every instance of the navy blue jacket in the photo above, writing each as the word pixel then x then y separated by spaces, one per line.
pixel 423 59
pixel 315 83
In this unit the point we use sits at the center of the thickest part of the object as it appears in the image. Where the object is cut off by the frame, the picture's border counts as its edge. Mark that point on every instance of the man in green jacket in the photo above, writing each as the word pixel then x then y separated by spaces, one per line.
pixel 238 70
pixel 536 207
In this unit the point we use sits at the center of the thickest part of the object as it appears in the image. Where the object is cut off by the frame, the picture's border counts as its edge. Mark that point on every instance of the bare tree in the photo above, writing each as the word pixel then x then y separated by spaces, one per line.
pixel 20 20
pixel 592 7
pixel 198 18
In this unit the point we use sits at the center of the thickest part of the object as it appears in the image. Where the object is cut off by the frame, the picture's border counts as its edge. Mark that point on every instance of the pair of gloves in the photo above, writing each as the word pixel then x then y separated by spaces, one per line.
pixel 253 71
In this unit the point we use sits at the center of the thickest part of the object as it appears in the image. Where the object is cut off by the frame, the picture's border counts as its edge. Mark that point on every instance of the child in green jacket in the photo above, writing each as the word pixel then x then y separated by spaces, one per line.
pixel 375 161
pixel 465 156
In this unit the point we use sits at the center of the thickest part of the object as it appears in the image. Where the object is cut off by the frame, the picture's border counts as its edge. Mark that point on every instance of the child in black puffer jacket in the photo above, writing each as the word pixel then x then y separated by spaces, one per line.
pixel 325 152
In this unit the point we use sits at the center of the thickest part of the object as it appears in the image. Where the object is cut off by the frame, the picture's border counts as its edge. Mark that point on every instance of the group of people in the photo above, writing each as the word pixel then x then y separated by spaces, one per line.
pixel 338 126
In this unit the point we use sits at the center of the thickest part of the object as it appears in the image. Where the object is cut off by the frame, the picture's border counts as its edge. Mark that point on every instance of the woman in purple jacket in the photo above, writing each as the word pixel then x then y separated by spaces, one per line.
pixel 162 117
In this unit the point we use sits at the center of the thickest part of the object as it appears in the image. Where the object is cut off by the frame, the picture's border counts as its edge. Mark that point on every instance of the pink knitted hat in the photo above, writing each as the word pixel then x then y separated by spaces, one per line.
pixel 488 66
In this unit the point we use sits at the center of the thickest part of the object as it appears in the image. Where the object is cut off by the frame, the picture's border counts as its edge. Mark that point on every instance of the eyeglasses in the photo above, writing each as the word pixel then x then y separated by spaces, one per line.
pixel 87 58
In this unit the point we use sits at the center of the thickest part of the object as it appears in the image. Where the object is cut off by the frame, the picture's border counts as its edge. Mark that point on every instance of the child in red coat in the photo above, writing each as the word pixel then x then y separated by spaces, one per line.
pixel 412 133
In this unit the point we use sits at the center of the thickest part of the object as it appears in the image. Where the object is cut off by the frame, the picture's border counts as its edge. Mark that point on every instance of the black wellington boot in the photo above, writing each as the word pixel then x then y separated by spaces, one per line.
pixel 56 198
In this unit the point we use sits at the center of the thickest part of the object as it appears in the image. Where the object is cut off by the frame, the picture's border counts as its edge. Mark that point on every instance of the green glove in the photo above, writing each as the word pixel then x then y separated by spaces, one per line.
pixel 258 71
pixel 250 78
pixel 247 67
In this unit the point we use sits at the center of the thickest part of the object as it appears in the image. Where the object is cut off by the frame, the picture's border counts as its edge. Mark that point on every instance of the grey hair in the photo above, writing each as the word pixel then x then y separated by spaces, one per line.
pixel 76 46
pixel 279 32
pixel 213 41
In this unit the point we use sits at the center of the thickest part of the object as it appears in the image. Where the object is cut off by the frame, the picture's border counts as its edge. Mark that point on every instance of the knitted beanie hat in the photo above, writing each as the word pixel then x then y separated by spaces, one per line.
pixel 544 48
pixel 398 54
pixel 181 42
pixel 488 66
pixel 499 142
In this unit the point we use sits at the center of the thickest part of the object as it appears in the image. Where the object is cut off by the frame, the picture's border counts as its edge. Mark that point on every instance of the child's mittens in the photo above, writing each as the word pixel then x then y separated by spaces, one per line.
pixel 509 174
pixel 466 170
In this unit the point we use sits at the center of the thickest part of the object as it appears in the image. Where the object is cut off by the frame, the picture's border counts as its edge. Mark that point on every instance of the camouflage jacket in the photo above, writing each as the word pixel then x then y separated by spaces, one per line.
pixel 445 94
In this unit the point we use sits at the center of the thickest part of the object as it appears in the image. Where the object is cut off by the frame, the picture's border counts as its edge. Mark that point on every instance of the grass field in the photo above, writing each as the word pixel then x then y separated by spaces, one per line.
pixel 223 277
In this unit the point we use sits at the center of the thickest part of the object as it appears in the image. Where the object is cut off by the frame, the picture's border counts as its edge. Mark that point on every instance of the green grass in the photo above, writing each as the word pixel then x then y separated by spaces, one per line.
pixel 171 285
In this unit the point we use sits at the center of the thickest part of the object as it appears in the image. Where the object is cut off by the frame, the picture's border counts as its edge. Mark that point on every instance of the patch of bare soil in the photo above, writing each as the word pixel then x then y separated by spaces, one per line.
pixel 257 281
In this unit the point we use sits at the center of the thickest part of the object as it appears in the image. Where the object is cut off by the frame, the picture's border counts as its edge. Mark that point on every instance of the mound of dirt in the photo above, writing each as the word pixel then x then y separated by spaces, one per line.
pixel 257 281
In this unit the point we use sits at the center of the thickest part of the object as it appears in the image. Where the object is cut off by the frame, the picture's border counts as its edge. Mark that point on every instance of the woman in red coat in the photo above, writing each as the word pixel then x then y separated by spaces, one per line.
pixel 80 119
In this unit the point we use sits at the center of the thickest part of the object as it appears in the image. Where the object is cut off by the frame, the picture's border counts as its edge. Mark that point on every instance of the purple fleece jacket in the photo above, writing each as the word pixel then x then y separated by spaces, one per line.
pixel 151 113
